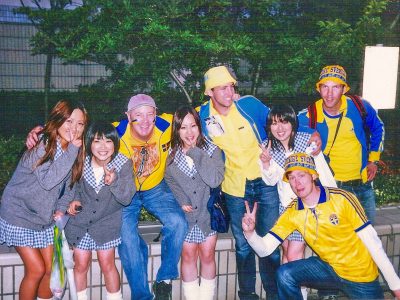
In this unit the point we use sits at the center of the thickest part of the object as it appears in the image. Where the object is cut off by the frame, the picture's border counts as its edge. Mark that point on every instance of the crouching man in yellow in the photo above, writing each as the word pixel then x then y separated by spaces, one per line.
pixel 333 223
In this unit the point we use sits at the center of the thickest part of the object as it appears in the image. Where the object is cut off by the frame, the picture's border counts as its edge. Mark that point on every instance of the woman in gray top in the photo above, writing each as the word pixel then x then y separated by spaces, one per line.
pixel 39 191
pixel 194 166
pixel 107 185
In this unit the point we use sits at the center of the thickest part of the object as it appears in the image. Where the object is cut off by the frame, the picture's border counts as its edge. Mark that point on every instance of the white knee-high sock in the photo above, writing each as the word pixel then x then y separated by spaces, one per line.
pixel 304 292
pixel 207 288
pixel 82 295
pixel 191 290
pixel 114 296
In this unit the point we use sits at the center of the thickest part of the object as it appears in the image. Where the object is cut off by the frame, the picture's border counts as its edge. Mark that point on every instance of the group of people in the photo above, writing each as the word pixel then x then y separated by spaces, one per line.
pixel 278 188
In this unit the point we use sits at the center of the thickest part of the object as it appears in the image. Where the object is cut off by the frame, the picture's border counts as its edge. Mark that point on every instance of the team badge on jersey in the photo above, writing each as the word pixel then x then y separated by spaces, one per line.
pixel 333 218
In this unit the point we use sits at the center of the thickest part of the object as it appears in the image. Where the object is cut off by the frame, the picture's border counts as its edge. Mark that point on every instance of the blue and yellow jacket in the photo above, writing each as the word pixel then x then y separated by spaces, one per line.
pixel 162 136
pixel 351 112
pixel 252 109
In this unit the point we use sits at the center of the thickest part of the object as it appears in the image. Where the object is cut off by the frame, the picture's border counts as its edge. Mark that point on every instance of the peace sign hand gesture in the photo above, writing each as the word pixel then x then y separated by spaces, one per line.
pixel 75 139
pixel 265 155
pixel 249 219
pixel 109 175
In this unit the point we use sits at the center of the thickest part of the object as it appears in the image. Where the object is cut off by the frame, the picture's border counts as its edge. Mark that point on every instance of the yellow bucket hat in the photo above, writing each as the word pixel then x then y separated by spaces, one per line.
pixel 334 73
pixel 299 161
pixel 217 76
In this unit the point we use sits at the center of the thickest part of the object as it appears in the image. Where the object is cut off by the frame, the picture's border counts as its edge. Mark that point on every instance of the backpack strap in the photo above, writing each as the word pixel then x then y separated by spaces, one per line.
pixel 363 113
pixel 312 113
pixel 360 106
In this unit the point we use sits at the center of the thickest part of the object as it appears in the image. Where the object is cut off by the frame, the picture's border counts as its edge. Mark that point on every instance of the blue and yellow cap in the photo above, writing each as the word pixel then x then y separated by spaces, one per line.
pixel 299 161
pixel 334 73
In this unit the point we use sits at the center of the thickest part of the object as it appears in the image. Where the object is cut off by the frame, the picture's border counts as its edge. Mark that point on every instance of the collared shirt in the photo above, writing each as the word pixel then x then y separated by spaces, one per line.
pixel 330 230
pixel 236 138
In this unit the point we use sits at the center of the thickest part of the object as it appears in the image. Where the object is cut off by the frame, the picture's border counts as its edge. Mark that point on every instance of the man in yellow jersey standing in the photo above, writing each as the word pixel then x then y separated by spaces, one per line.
pixel 237 127
pixel 145 138
pixel 344 137
pixel 334 225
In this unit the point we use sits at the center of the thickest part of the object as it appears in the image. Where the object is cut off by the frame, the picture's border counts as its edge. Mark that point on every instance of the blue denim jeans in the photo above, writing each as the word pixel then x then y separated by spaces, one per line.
pixel 267 213
pixel 133 251
pixel 315 273
pixel 366 196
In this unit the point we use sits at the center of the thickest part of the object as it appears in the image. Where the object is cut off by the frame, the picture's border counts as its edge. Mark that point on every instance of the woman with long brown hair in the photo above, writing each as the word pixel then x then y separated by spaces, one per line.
pixel 39 191
pixel 194 166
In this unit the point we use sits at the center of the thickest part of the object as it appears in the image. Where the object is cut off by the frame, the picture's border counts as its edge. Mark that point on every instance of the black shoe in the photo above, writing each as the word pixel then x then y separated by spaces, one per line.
pixel 162 290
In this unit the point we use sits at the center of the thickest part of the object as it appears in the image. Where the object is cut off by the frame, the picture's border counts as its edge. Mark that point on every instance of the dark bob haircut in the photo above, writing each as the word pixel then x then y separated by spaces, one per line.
pixel 101 129
pixel 282 113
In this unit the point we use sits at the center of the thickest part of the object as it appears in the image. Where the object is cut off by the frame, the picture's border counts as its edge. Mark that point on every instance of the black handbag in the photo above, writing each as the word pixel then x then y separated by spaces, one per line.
pixel 218 214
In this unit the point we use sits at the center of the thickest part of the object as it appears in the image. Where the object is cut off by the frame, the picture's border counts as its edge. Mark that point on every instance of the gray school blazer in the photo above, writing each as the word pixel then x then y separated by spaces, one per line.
pixel 195 191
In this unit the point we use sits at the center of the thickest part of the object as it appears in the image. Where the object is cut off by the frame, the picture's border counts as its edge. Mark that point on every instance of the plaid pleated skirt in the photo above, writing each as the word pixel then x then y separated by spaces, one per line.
pixel 295 235
pixel 87 243
pixel 197 236
pixel 23 237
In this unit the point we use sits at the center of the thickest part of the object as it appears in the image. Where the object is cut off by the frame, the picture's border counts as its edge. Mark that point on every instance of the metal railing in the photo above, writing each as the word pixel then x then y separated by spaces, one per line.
pixel 11 269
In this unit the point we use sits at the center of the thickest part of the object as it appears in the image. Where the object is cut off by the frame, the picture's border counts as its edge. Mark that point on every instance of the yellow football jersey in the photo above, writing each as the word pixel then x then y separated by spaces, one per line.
pixel 330 230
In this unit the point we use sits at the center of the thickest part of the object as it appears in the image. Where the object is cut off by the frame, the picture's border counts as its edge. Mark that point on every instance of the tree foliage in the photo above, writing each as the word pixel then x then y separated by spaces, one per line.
pixel 159 46
pixel 48 22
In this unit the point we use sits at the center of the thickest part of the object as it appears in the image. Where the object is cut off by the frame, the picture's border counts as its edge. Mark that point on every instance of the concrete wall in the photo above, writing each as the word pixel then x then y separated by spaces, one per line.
pixel 11 268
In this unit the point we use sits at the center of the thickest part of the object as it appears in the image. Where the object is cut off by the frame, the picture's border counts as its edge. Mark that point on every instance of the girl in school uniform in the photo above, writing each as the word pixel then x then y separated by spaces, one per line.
pixel 194 166
pixel 107 185
pixel 39 191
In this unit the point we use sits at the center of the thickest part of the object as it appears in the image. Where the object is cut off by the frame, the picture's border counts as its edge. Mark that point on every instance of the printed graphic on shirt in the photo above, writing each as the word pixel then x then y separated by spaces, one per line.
pixel 145 158
pixel 165 147
pixel 333 218
pixel 215 126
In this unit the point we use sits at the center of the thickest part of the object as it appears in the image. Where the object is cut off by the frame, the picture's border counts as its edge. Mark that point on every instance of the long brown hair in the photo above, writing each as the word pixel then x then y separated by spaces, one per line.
pixel 58 115
pixel 176 140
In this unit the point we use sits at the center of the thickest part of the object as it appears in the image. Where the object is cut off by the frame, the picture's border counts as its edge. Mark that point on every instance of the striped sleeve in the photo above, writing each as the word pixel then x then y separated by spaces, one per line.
pixel 352 209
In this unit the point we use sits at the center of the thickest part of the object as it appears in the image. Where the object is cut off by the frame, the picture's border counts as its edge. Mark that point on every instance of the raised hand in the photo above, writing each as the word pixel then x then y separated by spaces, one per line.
pixel 32 138
pixel 235 97
pixel 75 139
pixel 316 138
pixel 265 155
pixel 109 175
pixel 249 218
